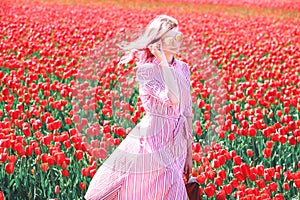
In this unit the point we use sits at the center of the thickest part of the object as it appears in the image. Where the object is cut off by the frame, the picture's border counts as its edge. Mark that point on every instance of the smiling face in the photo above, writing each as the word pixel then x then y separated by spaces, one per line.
pixel 171 41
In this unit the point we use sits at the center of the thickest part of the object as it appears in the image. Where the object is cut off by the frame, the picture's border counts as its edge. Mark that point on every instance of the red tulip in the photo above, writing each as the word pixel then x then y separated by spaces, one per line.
pixel 252 177
pixel 292 140
pixel 2 196
pixel 237 160
pixel 26 131
pixel 239 176
pixel 44 167
pixel 260 170
pixel 201 178
pixel 50 160
pixel 57 189
pixel 84 171
pixel 245 169
pixel 218 181
pixel 209 191
pixel 221 195
pixel 216 163
pixel 64 165
pixel 289 175
pixel 121 131
pixel 222 174
pixel 267 152
pixel 286 186
pixel 68 121
pixel 222 159
pixel 67 144
pixel 232 153
pixel 282 139
pixel 278 168
pixel 251 132
pixel 65 173
pixel 249 152
pixel 3 157
pixel 197 128
pixel 194 172
pixel 84 121
pixel 12 158
pixel 79 154
pixel 269 144
pixel 92 173
pixel 227 189
pixel 260 183
pixel 82 186
pixel 231 136
pixel 297 183
pixel 196 147
pixel 9 167
pixel 200 191
pixel 234 183
pixel 273 186
pixel 278 197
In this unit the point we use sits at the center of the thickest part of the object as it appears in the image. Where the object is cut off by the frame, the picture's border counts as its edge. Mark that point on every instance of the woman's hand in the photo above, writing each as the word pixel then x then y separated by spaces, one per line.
pixel 157 51
pixel 188 165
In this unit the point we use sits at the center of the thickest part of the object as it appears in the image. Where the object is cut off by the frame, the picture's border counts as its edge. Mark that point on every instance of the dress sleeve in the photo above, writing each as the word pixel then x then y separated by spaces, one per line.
pixel 147 78
pixel 188 111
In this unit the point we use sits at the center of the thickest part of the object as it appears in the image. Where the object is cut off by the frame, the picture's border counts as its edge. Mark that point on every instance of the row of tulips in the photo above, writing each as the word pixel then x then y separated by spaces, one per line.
pixel 58 126
pixel 256 3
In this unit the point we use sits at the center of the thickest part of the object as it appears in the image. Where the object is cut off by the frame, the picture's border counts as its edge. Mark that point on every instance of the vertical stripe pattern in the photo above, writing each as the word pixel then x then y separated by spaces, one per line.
pixel 148 164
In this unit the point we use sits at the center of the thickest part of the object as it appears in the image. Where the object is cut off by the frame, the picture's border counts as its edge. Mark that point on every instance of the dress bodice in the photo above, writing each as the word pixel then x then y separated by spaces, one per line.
pixel 153 92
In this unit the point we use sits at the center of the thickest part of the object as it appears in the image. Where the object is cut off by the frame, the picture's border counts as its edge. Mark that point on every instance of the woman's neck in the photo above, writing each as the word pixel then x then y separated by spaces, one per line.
pixel 170 57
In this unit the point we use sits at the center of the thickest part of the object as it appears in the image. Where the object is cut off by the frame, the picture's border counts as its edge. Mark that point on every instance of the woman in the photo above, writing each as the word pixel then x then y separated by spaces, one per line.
pixel 151 161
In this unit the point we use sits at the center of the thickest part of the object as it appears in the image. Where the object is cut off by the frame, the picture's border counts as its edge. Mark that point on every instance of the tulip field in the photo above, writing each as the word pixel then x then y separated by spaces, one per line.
pixel 50 150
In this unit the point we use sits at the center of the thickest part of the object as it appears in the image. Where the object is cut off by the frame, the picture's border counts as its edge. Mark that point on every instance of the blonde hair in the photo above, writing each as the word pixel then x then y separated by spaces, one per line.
pixel 153 33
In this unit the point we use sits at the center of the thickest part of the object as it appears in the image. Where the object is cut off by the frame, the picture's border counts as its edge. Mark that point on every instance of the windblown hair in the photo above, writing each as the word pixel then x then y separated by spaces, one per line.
pixel 153 33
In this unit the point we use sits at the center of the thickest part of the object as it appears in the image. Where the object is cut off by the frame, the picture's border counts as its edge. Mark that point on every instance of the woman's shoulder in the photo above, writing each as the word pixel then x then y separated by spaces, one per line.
pixel 147 67
pixel 146 70
pixel 182 63
pixel 184 67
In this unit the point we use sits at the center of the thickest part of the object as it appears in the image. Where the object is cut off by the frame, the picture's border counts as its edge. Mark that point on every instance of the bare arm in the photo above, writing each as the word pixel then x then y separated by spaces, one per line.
pixel 171 86
pixel 189 144
pixel 189 116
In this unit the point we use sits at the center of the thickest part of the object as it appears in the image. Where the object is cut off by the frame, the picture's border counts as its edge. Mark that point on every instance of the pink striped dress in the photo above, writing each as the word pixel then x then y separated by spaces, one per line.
pixel 149 162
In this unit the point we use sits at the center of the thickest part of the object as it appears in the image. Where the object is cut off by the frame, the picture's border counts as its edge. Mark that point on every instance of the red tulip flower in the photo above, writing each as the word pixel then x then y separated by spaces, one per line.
pixel 249 152
pixel 286 186
pixel 273 186
pixel 82 186
pixel 297 183
pixel 57 189
pixel 209 191
pixel 237 160
pixel 65 173
pixel 9 167
pixel 1 196
pixel 221 195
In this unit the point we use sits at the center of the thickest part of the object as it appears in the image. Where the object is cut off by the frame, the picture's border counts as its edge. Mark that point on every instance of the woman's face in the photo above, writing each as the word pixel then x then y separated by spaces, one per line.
pixel 171 41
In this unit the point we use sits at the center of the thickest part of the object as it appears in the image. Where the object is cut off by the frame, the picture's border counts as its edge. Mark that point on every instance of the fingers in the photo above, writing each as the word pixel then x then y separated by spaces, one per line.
pixel 156 50
pixel 188 170
pixel 185 169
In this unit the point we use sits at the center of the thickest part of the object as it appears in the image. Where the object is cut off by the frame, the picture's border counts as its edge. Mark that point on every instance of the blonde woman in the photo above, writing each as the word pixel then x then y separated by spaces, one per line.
pixel 151 161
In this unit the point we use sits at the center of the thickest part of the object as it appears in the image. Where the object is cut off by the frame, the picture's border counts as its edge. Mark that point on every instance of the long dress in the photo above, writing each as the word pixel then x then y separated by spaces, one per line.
pixel 149 162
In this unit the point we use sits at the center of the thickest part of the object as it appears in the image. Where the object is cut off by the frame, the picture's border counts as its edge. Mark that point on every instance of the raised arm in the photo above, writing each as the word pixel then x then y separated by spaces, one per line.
pixel 170 84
